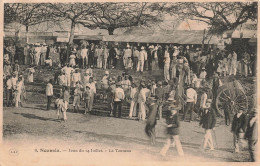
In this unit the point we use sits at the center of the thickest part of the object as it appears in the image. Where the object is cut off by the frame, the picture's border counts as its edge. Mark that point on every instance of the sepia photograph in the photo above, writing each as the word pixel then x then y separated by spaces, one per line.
pixel 129 83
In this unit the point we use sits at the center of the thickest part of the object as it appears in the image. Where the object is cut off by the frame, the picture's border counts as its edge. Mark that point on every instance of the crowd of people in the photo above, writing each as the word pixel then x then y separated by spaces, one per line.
pixel 185 70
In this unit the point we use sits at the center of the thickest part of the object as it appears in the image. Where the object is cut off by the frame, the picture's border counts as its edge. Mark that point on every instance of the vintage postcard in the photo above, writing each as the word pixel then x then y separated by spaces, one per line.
pixel 129 83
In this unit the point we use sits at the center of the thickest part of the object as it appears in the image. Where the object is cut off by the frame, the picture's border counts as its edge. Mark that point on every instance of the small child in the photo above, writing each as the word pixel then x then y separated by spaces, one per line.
pixel 76 77
pixel 30 74
pixel 62 79
pixel 48 62
pixel 77 96
pixel 129 63
pixel 61 107
pixel 87 94
pixel 72 60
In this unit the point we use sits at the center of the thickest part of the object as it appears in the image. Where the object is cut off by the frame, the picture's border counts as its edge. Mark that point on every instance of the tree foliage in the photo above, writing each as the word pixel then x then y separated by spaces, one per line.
pixel 220 16
pixel 26 14
pixel 111 16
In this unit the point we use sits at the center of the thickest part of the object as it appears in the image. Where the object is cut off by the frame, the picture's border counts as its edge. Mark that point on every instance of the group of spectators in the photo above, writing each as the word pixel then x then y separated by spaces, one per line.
pixel 185 70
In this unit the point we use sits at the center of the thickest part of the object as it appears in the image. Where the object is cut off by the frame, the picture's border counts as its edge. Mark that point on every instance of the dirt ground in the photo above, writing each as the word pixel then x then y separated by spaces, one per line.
pixel 32 127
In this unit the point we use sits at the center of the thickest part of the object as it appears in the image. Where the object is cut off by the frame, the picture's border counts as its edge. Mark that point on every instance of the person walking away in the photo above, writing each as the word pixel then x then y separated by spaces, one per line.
pixel 238 129
pixel 141 59
pixel 167 61
pixel 252 135
pixel 151 119
pixel 77 97
pixel 190 102
pixel 133 100
pixel 173 130
pixel 49 93
pixel 118 98
pixel 208 121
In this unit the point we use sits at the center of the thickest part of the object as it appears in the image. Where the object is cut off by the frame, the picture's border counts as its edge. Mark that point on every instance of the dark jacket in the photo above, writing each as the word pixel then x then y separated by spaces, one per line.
pixel 174 120
pixel 252 131
pixel 208 120
pixel 239 123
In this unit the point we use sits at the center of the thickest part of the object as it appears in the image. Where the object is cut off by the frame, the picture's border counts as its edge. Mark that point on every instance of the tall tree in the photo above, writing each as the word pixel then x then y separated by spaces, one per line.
pixel 220 16
pixel 111 16
pixel 26 14
pixel 75 13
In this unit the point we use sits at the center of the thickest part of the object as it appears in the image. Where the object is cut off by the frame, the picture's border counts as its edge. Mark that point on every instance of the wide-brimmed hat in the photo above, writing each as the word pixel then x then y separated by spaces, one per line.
pixel 106 72
pixel 142 48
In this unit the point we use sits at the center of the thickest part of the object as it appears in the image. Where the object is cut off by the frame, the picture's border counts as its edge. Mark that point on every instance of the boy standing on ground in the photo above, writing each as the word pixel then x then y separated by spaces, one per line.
pixel 49 93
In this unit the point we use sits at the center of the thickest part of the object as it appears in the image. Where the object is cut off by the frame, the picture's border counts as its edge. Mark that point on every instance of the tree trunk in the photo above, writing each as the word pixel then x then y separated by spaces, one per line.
pixel 72 30
pixel 202 47
pixel 27 30
pixel 111 30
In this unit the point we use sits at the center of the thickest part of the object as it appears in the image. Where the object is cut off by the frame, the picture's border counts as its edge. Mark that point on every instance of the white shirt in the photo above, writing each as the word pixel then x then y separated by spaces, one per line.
pixel 203 74
pixel 119 92
pixel 14 80
pixel 67 70
pixel 136 53
pixel 92 87
pixel 191 95
pixel 49 89
pixel 142 95
pixel 142 56
pixel 76 77
pixel 167 58
pixel 133 92
pixel 9 84
pixel 19 86
pixel 128 53
pixel 203 100
pixel 84 53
